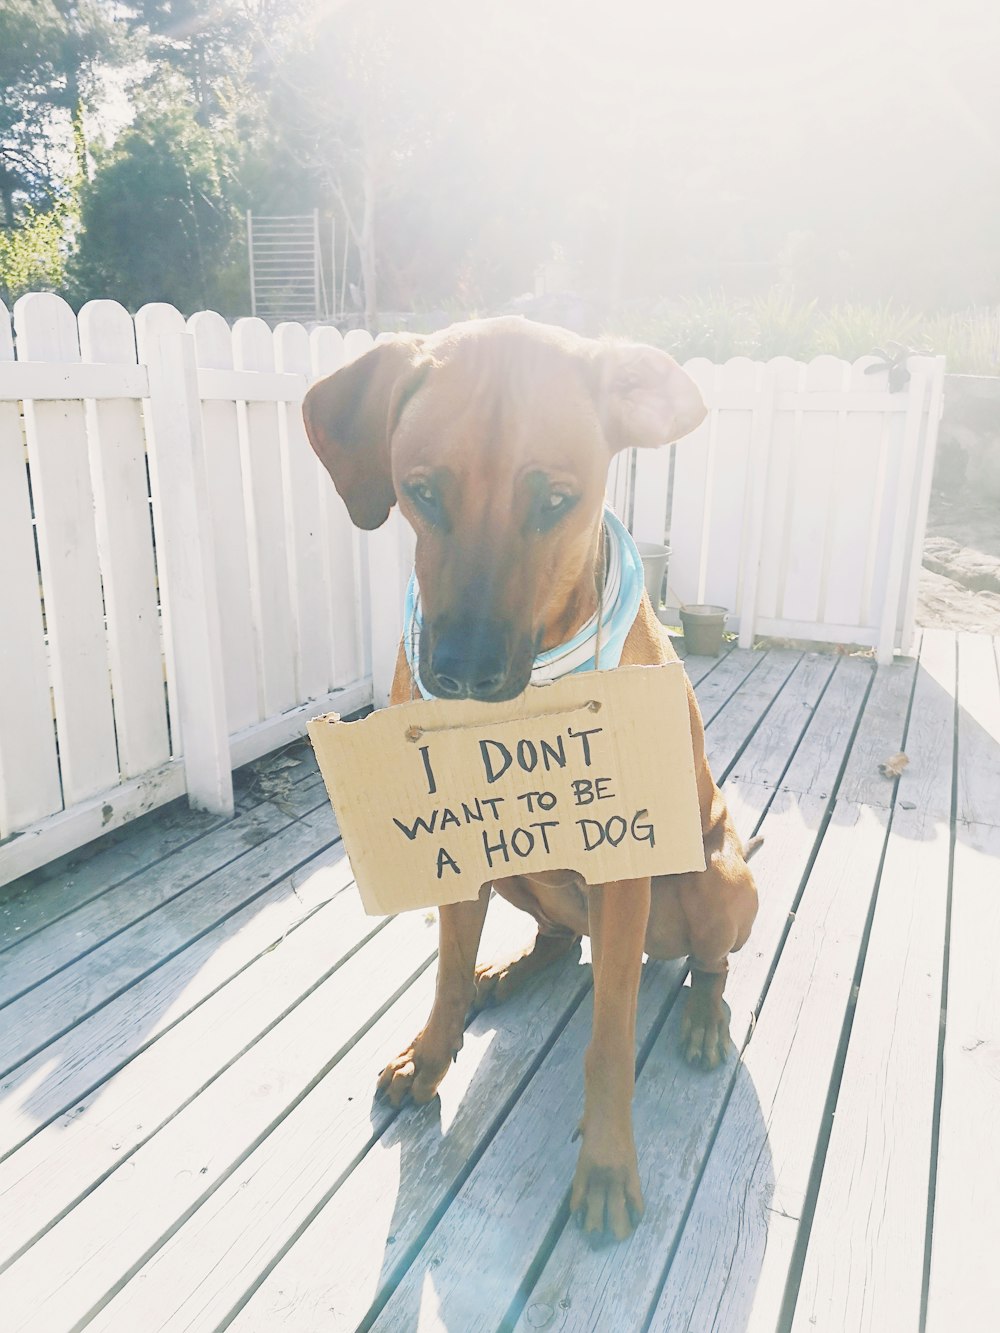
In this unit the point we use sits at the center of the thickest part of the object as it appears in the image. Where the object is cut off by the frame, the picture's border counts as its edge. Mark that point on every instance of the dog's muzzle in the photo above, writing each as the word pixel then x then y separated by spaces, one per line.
pixel 472 659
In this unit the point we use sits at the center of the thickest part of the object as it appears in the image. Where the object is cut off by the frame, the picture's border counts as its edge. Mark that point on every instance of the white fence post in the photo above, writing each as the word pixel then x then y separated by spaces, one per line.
pixel 909 448
pixel 753 530
pixel 933 368
pixel 185 556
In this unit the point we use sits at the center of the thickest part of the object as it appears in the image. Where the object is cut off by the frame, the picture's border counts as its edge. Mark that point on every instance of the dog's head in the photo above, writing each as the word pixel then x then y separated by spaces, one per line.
pixel 495 438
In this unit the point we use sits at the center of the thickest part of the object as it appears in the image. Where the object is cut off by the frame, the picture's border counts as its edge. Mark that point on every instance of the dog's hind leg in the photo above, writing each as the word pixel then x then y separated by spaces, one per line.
pixel 496 982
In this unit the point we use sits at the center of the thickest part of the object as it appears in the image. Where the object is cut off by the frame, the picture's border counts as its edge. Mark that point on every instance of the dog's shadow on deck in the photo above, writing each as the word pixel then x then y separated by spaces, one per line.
pixel 480 1234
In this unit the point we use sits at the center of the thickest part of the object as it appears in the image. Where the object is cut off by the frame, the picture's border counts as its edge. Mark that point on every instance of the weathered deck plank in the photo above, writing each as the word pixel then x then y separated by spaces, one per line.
pixel 49 894
pixel 730 1267
pixel 65 1275
pixel 61 1077
pixel 537 1216
pixel 92 924
pixel 964 1279
pixel 63 1160
pixel 194 1143
pixel 864 1265
pixel 255 1213
pixel 52 1008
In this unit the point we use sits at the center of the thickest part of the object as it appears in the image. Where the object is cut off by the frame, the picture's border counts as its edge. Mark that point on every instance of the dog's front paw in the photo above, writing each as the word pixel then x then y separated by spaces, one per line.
pixel 607 1194
pixel 705 1038
pixel 416 1072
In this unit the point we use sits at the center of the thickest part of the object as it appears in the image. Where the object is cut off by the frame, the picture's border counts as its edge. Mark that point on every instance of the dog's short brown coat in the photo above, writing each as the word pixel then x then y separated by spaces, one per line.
pixel 485 434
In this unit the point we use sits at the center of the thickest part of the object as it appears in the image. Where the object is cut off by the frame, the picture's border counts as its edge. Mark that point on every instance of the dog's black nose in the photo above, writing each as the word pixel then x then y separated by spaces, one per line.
pixel 468 660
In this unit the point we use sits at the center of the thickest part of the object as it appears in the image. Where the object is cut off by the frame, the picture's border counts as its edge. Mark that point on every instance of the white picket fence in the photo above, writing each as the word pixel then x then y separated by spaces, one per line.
pixel 159 628
pixel 181 587
pixel 800 503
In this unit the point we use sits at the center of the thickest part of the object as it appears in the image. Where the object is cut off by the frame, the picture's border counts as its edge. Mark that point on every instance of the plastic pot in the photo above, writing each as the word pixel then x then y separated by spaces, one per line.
pixel 703 629
pixel 654 568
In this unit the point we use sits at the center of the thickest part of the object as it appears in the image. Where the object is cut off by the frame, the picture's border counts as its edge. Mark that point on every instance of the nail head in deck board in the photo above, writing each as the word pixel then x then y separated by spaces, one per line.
pixel 55 1167
pixel 502 1212
pixel 979 731
pixel 203 1271
pixel 864 1265
pixel 677 1108
pixel 73 1266
pixel 880 735
pixel 733 1260
pixel 47 1011
pixel 964 1290
pixel 55 1079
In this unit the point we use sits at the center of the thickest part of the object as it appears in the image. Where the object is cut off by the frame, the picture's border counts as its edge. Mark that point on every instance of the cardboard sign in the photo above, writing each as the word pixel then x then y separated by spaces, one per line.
pixel 593 773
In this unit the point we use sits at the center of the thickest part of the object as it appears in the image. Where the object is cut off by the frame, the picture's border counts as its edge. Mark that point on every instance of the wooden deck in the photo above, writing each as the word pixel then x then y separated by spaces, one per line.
pixel 195 1011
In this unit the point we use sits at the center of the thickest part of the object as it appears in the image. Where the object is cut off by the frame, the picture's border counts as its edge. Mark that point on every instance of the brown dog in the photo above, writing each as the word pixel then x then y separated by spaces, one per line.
pixel 495 437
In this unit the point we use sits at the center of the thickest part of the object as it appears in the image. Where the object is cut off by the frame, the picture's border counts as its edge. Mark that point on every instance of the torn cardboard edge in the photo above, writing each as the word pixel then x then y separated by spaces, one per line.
pixel 592 773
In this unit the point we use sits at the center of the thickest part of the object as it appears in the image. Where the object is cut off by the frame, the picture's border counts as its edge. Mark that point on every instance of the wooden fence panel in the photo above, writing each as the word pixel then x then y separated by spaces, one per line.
pixel 345 548
pixel 855 505
pixel 722 540
pixel 213 341
pixel 694 464
pixel 898 524
pixel 263 496
pixel 186 555
pixel 930 369
pixel 807 516
pixel 788 377
pixel 125 544
pixel 67 545
pixel 304 525
pixel 29 771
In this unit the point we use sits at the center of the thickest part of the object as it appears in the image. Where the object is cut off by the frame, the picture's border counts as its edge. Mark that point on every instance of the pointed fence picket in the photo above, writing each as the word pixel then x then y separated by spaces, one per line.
pixel 182 586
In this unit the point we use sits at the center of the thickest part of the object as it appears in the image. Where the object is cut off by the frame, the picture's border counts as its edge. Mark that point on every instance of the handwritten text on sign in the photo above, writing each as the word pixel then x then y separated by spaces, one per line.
pixel 593 773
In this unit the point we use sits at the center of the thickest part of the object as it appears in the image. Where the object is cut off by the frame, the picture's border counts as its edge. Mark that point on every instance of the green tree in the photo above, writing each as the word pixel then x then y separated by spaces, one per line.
pixel 157 220
pixel 50 55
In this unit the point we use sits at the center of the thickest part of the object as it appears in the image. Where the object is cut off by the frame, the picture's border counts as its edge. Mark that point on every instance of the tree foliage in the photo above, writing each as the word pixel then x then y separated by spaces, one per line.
pixel 49 54
pixel 157 220
pixel 664 151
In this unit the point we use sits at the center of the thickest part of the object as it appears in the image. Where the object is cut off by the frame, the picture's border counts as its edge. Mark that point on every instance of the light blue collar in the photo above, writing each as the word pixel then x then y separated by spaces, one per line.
pixel 595 645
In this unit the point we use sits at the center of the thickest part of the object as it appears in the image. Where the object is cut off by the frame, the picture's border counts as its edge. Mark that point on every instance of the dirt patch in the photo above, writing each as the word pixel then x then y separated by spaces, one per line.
pixel 960 581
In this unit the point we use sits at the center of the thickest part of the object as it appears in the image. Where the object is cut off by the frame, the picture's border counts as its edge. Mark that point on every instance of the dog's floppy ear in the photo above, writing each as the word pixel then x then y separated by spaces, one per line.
pixel 350 417
pixel 644 398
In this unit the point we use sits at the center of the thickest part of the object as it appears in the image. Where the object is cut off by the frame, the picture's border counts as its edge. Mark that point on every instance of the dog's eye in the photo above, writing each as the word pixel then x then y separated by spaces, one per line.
pixel 425 497
pixel 554 506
